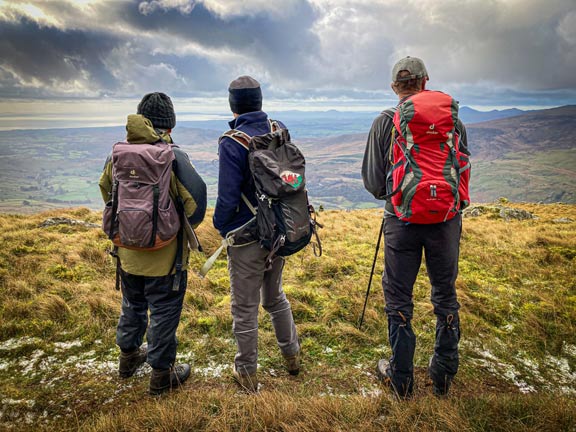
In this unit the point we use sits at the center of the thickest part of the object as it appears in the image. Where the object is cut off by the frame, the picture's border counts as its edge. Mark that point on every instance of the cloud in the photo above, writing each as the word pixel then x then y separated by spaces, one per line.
pixel 225 9
pixel 149 7
pixel 508 43
pixel 480 49
pixel 54 62
pixel 276 48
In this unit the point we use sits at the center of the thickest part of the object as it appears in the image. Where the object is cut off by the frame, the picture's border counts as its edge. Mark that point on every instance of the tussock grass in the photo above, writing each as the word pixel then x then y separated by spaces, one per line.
pixel 517 288
pixel 274 411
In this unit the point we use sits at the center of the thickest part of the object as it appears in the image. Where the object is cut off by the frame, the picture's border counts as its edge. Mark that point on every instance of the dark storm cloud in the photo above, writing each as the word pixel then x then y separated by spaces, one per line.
pixel 53 58
pixel 284 46
pixel 113 48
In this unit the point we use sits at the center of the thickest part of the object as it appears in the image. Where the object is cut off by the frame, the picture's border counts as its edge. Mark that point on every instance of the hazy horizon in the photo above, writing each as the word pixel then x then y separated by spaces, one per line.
pixel 56 114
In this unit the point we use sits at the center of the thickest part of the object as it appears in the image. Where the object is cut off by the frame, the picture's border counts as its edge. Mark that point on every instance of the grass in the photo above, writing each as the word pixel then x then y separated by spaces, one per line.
pixel 517 287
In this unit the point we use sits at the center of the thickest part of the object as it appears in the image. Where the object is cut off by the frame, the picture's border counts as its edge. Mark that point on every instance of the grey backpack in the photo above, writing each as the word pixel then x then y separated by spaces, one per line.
pixel 141 214
pixel 285 220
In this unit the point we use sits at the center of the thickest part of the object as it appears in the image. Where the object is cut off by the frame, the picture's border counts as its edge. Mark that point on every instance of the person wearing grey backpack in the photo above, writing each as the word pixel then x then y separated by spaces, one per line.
pixel 154 198
pixel 254 278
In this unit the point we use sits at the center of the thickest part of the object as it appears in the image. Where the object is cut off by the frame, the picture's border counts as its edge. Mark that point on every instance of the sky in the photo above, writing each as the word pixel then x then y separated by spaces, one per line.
pixel 94 59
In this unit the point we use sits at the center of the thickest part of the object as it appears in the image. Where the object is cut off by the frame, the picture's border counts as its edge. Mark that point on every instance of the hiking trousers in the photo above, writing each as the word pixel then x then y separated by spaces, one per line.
pixel 251 283
pixel 403 247
pixel 141 294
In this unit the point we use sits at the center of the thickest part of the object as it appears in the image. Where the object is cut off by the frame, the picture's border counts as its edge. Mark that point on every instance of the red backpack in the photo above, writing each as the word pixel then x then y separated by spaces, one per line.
pixel 430 174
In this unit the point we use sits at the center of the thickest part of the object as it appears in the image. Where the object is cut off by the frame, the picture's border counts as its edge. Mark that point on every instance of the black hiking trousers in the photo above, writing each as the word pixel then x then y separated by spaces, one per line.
pixel 143 294
pixel 403 247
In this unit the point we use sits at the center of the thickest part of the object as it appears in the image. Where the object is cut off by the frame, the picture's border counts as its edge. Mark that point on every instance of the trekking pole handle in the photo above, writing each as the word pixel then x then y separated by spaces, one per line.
pixel 371 274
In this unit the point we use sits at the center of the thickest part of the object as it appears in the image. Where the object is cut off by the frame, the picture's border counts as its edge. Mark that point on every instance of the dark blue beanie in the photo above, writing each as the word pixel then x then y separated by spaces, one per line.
pixel 245 95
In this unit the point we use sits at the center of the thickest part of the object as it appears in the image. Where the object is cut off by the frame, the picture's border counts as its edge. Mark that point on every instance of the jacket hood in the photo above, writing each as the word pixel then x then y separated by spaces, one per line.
pixel 140 131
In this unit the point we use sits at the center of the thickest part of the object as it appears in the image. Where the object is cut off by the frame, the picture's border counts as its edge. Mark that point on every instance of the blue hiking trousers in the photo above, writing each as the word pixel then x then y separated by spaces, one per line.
pixel 141 294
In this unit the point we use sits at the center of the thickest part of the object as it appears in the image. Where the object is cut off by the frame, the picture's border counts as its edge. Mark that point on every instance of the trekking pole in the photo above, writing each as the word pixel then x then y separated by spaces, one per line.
pixel 371 274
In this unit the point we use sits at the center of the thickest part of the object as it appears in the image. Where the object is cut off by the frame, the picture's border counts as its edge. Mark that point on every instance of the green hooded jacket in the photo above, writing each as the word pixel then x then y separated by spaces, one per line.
pixel 185 183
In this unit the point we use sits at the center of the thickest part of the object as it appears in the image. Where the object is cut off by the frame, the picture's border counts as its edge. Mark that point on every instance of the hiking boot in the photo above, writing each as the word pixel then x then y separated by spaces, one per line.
pixel 382 369
pixel 293 363
pixel 440 383
pixel 383 374
pixel 129 362
pixel 248 383
pixel 163 380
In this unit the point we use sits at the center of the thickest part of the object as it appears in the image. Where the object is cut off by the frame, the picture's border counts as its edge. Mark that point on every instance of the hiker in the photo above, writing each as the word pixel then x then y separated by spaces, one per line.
pixel 412 223
pixel 251 280
pixel 153 279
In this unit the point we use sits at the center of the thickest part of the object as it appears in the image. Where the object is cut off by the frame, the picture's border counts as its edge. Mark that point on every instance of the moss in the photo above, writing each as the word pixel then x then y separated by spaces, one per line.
pixel 77 273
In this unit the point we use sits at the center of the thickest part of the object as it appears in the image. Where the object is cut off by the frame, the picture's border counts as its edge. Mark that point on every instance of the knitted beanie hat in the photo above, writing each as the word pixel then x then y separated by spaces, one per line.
pixel 158 108
pixel 245 95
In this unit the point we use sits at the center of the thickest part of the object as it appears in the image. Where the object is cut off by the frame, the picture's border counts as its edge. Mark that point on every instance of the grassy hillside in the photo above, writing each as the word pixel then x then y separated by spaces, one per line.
pixel 517 287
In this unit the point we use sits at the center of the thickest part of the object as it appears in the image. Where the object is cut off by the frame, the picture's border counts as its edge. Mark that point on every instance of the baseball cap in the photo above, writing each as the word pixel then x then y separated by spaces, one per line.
pixel 413 65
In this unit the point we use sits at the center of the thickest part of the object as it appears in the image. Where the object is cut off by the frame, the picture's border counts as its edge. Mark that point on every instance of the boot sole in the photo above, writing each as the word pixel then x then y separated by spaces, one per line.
pixel 159 391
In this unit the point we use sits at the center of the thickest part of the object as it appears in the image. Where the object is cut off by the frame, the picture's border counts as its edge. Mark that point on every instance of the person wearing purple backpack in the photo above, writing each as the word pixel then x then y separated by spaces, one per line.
pixel 154 198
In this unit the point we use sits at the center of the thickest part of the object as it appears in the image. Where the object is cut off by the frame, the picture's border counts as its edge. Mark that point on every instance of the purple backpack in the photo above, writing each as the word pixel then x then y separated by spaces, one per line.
pixel 141 214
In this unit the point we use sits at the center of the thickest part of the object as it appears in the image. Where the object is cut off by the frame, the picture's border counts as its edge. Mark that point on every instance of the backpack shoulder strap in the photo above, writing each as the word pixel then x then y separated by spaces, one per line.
pixel 240 137
pixel 248 204
pixel 243 138
pixel 390 112
pixel 274 126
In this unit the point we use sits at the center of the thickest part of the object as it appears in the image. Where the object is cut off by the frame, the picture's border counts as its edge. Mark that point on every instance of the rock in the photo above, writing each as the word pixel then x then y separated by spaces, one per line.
pixel 67 221
pixel 498 211
pixel 480 210
pixel 563 220
pixel 473 212
pixel 508 213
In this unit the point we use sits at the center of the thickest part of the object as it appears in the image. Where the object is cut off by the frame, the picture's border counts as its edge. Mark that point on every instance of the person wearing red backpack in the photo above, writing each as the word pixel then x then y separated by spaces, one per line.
pixel 416 158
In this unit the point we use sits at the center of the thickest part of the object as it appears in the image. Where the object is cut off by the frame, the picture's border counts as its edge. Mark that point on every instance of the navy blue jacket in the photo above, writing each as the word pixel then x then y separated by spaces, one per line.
pixel 234 176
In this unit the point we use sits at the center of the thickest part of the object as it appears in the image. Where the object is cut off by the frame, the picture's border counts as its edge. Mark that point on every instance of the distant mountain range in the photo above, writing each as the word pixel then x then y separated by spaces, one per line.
pixel 306 124
pixel 526 157
pixel 469 115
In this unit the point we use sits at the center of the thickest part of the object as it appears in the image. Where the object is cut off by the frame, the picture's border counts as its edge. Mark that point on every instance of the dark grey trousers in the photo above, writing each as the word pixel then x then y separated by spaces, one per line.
pixel 250 282
pixel 403 248
pixel 141 294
